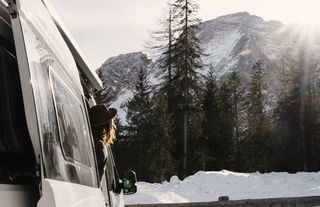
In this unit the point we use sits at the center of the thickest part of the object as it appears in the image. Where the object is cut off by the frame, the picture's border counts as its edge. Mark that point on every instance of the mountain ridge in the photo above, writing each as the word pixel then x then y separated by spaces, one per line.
pixel 232 42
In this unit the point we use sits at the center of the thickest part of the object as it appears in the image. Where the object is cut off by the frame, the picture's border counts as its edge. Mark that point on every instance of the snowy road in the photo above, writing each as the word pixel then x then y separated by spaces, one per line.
pixel 270 202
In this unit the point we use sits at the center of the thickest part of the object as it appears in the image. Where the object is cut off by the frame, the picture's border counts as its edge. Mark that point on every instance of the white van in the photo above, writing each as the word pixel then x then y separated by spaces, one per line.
pixel 47 156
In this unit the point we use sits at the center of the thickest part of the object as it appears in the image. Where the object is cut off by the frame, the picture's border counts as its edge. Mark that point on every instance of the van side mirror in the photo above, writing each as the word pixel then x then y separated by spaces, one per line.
pixel 129 182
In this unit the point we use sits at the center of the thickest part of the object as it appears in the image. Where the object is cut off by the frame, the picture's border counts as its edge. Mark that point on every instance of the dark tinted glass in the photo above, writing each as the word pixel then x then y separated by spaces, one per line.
pixel 17 160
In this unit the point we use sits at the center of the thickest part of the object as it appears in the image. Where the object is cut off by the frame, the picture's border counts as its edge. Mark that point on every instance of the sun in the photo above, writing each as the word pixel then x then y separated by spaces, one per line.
pixel 307 27
pixel 307 22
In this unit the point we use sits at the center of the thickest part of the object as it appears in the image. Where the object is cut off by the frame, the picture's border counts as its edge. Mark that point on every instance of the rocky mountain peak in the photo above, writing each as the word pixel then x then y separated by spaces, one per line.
pixel 232 42
pixel 120 71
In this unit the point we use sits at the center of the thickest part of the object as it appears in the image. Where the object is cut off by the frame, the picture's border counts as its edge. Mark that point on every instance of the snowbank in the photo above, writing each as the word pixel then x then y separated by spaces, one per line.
pixel 208 186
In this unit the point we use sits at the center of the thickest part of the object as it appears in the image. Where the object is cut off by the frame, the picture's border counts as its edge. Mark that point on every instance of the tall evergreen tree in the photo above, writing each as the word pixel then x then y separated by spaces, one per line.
pixel 139 114
pixel 259 136
pixel 309 112
pixel 187 52
pixel 162 165
pixel 312 117
pixel 186 99
pixel 291 112
pixel 122 149
pixel 218 145
pixel 161 47
pixel 234 92
pixel 103 96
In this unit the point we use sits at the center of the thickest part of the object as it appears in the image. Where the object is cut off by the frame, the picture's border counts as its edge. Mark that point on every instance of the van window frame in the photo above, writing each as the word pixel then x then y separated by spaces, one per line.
pixel 68 159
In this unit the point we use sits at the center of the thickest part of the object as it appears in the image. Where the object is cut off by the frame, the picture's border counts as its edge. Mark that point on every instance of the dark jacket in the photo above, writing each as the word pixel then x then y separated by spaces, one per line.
pixel 101 152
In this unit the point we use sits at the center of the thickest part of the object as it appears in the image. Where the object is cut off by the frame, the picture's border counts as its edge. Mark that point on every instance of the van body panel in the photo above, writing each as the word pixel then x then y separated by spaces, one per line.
pixel 62 194
pixel 36 16
pixel 27 91
pixel 53 100
pixel 110 182
pixel 79 57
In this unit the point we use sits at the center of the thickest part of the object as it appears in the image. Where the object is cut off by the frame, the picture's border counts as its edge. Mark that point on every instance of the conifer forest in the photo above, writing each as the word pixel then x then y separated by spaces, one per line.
pixel 190 122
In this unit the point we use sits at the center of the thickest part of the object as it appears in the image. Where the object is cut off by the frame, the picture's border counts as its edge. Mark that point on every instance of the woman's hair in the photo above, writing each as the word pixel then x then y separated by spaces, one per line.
pixel 109 133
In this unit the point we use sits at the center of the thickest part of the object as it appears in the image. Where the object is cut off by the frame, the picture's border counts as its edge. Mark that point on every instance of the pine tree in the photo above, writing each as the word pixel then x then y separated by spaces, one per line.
pixel 162 165
pixel 122 149
pixel 187 52
pixel 310 102
pixel 312 119
pixel 102 96
pixel 218 145
pixel 233 90
pixel 185 81
pixel 291 113
pixel 259 139
pixel 161 47
pixel 227 122
pixel 139 114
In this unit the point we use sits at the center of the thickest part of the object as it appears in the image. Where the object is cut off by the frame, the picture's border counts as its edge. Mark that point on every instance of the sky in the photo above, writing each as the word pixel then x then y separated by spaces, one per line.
pixel 106 28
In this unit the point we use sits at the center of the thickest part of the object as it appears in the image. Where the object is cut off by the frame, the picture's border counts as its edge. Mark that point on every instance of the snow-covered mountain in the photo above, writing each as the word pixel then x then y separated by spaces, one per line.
pixel 236 41
pixel 119 72
pixel 232 42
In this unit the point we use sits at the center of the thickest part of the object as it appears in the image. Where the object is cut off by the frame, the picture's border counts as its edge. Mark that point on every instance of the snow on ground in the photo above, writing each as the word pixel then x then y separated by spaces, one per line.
pixel 122 98
pixel 208 186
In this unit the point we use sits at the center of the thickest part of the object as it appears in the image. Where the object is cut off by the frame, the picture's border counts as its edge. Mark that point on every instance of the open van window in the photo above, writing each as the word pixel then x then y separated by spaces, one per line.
pixel 17 161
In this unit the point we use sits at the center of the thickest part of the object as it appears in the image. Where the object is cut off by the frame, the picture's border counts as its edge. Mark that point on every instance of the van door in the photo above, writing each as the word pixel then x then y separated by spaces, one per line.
pixel 56 115
pixel 112 181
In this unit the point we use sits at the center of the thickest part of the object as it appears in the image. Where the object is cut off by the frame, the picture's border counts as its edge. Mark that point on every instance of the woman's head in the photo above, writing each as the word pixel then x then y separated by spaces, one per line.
pixel 109 133
pixel 102 119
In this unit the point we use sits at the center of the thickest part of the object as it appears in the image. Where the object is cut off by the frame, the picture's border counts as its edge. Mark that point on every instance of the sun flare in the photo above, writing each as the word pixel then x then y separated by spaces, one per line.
pixel 307 22
pixel 307 27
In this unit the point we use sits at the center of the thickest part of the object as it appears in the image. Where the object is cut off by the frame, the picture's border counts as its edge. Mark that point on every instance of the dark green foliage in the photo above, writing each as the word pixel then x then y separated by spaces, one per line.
pixel 161 47
pixel 259 137
pixel 148 141
pixel 312 117
pixel 291 113
pixel 140 128
pixel 123 150
pixel 162 165
pixel 223 125
pixel 234 98
pixel 297 114
pixel 216 139
pixel 186 49
pixel 185 102
pixel 103 96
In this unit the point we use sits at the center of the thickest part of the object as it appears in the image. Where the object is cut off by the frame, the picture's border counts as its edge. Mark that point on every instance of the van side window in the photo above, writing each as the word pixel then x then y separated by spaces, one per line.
pixel 17 158
pixel 73 130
